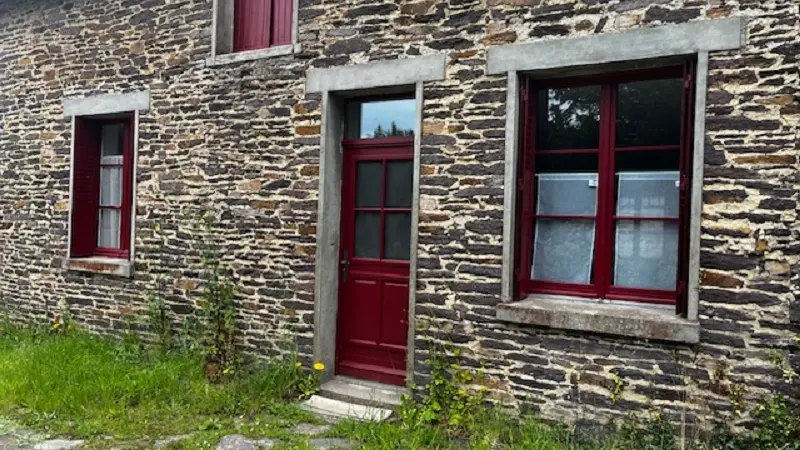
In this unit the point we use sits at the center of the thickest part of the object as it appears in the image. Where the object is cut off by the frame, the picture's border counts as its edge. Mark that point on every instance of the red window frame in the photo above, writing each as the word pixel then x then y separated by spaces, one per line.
pixel 601 287
pixel 261 24
pixel 86 187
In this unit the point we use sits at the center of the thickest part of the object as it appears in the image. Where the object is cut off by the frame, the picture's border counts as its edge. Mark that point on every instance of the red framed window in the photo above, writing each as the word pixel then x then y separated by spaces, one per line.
pixel 260 24
pixel 603 183
pixel 102 187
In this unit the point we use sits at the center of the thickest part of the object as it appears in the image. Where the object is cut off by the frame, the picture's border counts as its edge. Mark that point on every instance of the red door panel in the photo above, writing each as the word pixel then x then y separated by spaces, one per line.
pixel 372 329
pixel 395 304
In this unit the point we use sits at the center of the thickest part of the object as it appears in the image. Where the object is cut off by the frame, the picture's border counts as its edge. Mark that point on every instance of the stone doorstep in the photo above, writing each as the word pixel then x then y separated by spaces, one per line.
pixel 363 392
pixel 632 320
pixel 332 409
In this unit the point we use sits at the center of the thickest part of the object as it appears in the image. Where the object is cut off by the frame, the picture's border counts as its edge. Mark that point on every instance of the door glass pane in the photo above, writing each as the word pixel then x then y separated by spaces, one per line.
pixel 648 194
pixel 111 186
pixel 568 118
pixel 381 119
pixel 646 254
pixel 369 186
pixel 398 235
pixel 108 228
pixel 562 250
pixel 649 112
pixel 398 184
pixel 367 234
pixel 567 194
pixel 111 143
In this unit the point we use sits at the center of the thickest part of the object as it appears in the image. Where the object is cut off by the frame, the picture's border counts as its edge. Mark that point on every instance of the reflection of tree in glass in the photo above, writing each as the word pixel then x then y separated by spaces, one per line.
pixel 649 113
pixel 568 118
pixel 393 131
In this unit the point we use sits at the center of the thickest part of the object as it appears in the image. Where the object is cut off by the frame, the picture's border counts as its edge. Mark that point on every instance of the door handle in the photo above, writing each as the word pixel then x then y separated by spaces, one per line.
pixel 345 262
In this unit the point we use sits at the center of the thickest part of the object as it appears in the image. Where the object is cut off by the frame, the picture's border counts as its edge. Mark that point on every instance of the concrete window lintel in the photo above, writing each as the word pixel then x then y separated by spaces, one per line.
pixel 96 264
pixel 646 43
pixel 396 72
pixel 630 320
pixel 107 104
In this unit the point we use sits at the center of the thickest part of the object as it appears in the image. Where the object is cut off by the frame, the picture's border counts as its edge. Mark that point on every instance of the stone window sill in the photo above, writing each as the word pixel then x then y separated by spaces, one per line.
pixel 251 55
pixel 631 320
pixel 98 264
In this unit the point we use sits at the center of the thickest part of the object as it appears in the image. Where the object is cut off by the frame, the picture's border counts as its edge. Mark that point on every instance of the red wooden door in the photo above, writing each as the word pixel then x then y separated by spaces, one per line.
pixel 374 259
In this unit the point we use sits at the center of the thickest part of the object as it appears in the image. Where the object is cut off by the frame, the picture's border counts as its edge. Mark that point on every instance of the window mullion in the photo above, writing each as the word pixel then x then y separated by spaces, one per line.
pixel 604 246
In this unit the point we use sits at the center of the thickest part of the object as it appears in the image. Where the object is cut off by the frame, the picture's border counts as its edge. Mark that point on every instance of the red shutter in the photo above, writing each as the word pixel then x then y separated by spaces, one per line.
pixel 251 27
pixel 85 187
pixel 282 15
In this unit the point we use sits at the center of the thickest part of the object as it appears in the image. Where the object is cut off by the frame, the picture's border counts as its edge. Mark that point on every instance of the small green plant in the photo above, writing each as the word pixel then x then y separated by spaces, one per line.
pixel 308 383
pixel 647 432
pixel 780 360
pixel 158 317
pixel 217 310
pixel 619 386
pixel 447 399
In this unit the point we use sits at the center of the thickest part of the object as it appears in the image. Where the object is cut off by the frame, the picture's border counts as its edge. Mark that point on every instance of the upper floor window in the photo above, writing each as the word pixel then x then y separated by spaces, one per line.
pixel 604 180
pixel 259 24
pixel 102 186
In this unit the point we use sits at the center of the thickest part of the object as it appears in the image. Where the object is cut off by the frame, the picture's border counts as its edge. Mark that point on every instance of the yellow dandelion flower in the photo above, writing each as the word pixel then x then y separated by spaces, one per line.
pixel 298 364
pixel 318 366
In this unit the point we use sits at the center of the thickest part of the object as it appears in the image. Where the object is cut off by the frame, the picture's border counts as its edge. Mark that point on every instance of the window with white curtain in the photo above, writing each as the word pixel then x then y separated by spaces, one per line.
pixel 111 162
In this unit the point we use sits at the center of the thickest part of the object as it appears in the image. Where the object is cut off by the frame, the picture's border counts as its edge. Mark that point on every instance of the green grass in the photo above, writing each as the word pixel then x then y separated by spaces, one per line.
pixel 80 386
pixel 84 386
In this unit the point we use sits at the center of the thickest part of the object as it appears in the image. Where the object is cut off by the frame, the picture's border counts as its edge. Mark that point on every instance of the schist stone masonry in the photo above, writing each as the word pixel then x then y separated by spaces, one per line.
pixel 574 193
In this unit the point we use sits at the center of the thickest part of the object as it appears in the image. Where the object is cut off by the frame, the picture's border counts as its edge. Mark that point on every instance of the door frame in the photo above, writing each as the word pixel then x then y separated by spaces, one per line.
pixel 326 290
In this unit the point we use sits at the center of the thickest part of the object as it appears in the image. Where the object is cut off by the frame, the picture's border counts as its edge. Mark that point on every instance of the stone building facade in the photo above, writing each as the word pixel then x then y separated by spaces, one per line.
pixel 255 139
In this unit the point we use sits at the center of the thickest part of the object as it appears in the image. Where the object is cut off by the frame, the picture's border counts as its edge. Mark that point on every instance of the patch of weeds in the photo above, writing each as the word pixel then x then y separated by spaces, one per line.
pixel 79 385
pixel 448 399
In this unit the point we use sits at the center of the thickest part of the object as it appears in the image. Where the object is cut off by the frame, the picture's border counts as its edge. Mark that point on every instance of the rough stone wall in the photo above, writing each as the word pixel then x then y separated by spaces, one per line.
pixel 243 141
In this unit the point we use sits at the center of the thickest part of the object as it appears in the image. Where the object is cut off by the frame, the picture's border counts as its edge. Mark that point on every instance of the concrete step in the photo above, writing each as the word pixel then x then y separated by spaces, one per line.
pixel 333 409
pixel 362 392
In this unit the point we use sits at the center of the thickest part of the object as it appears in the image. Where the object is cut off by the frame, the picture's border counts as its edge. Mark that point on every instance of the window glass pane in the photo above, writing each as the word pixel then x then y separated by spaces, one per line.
pixel 111 143
pixel 648 194
pixel 649 112
pixel 367 234
pixel 567 194
pixel 646 254
pixel 398 235
pixel 562 250
pixel 640 161
pixel 569 162
pixel 108 228
pixel 380 119
pixel 568 118
pixel 398 184
pixel 111 186
pixel 369 184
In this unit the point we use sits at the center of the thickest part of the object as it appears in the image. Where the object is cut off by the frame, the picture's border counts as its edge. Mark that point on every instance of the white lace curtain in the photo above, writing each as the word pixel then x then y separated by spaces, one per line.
pixel 645 253
pixel 110 187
